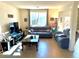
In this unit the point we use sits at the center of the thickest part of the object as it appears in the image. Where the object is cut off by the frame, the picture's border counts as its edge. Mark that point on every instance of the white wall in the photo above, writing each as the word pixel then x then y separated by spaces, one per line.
pixel 52 13
pixel 73 25
pixel 6 9
pixel 24 14
pixel 63 14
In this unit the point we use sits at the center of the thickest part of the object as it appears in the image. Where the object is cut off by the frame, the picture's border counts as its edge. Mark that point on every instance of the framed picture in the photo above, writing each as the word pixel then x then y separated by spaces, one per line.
pixel 25 19
pixel 10 16
pixel 52 19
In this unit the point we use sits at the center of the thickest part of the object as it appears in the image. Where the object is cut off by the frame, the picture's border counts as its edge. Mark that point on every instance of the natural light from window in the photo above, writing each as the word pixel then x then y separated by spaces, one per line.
pixel 38 18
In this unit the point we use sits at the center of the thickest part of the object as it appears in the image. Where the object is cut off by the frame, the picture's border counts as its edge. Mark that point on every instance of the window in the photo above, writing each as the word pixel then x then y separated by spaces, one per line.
pixel 38 18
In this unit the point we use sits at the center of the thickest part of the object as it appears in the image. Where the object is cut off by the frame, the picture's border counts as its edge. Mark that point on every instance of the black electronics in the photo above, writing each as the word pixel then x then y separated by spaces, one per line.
pixel 14 27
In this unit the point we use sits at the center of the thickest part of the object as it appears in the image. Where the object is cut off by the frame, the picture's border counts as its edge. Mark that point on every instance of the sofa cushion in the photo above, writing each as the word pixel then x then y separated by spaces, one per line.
pixel 40 29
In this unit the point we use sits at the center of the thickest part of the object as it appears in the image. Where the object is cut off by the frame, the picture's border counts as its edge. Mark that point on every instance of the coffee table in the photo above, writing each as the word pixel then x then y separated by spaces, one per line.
pixel 31 41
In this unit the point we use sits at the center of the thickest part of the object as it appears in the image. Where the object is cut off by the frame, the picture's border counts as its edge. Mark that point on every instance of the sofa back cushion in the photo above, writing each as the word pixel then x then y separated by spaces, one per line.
pixel 41 29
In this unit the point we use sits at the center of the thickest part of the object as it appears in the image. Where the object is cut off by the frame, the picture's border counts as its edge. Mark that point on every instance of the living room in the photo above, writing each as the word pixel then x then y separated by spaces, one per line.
pixel 58 16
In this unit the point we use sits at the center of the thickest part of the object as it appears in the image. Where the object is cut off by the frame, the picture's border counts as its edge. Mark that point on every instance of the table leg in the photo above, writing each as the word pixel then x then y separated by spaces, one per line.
pixel 36 46
pixel 22 46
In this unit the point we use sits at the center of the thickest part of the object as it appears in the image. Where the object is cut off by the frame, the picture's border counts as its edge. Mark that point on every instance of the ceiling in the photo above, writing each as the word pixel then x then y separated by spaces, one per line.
pixel 38 4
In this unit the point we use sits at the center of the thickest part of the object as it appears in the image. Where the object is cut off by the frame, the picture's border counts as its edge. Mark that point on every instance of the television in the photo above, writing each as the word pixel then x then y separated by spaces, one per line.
pixel 14 27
